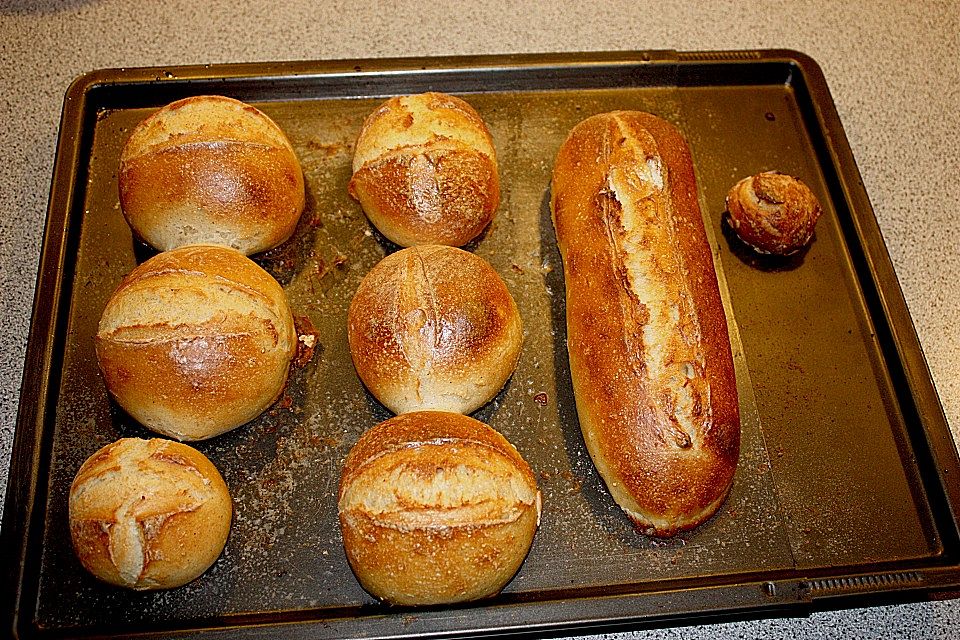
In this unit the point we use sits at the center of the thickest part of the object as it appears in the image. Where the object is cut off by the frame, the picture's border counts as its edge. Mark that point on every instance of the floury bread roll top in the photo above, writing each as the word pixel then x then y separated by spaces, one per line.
pixel 649 350
pixel 210 169
pixel 425 170
pixel 434 328
pixel 148 514
pixel 196 341
pixel 436 508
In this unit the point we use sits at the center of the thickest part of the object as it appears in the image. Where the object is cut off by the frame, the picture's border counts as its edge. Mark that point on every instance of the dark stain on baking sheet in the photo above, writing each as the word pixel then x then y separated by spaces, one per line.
pixel 823 448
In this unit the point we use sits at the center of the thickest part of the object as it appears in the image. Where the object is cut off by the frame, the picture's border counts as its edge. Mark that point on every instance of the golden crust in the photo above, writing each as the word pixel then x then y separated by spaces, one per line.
pixel 434 327
pixel 210 169
pixel 436 508
pixel 425 171
pixel 196 341
pixel 649 350
pixel 773 212
pixel 148 514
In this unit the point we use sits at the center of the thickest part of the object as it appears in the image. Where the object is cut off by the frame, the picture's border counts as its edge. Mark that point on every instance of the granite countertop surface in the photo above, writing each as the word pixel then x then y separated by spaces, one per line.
pixel 891 67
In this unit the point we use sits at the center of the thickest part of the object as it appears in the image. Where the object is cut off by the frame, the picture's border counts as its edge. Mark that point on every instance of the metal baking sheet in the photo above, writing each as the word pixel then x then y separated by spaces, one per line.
pixel 841 488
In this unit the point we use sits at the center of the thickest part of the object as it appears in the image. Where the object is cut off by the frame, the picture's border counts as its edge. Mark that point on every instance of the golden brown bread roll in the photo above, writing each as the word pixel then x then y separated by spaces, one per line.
pixel 649 352
pixel 210 169
pixel 148 514
pixel 196 341
pixel 436 508
pixel 773 212
pixel 425 170
pixel 434 327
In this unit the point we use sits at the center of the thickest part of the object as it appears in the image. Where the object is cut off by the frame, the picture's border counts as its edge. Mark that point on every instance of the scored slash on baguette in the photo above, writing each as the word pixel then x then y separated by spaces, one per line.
pixel 647 339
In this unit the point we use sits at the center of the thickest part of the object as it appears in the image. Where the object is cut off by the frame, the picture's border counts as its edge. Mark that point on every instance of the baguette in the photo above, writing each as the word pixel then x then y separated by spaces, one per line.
pixel 649 351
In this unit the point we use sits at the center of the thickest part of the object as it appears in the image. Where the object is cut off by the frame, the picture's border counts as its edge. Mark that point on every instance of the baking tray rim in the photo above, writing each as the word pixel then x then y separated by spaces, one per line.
pixel 750 593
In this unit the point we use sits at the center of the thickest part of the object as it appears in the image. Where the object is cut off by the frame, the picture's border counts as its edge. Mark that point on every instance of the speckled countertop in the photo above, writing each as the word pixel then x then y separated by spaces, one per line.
pixel 891 66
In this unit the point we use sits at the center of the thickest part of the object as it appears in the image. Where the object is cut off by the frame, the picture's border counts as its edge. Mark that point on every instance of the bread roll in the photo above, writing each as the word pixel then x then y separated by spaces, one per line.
pixel 148 514
pixel 196 341
pixel 649 352
pixel 425 171
pixel 434 327
pixel 773 212
pixel 210 169
pixel 436 508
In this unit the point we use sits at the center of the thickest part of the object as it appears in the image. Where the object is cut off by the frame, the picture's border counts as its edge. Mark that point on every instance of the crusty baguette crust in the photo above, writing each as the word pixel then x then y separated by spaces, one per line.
pixel 436 508
pixel 148 514
pixel 649 351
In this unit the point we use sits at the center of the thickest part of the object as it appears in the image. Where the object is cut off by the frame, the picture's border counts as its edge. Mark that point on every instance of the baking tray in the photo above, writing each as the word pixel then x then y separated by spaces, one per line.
pixel 846 488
